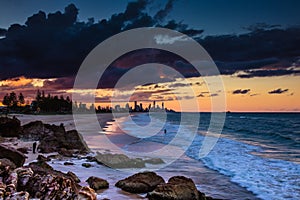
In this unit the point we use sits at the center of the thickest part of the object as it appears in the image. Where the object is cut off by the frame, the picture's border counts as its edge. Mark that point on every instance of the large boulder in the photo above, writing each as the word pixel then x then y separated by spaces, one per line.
pixel 54 138
pixel 86 193
pixel 47 183
pixel 10 127
pixel 141 182
pixel 177 188
pixel 33 130
pixel 15 156
pixel 97 183
pixel 119 161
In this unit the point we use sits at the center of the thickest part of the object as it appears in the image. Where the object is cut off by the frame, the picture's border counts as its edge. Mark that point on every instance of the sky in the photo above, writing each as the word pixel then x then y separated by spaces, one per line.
pixel 255 45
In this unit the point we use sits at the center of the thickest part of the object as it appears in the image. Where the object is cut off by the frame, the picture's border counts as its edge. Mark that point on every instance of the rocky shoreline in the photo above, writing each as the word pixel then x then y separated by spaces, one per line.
pixel 38 180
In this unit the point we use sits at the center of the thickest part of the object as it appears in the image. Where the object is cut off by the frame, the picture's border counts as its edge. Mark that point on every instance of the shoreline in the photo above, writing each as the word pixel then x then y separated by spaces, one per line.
pixel 206 180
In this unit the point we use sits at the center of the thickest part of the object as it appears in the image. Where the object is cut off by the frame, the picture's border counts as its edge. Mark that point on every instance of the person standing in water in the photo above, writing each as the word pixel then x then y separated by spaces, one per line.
pixel 34 147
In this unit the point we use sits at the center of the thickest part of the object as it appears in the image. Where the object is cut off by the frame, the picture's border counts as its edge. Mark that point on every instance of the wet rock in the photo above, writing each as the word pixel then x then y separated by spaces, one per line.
pixel 68 163
pixel 97 183
pixel 119 161
pixel 65 152
pixel 23 150
pixel 154 161
pixel 86 165
pixel 43 158
pixel 13 155
pixel 177 188
pixel 140 182
pixel 74 177
pixel 18 196
pixel 10 127
pixel 86 193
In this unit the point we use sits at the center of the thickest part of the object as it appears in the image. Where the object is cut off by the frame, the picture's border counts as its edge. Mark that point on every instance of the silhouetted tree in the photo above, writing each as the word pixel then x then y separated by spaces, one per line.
pixel 5 100
pixel 21 99
pixel 13 99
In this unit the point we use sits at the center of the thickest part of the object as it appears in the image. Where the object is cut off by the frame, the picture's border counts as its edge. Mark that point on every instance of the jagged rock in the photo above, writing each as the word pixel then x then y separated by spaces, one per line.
pixel 154 161
pixel 119 161
pixel 15 156
pixel 86 193
pixel 140 182
pixel 34 131
pixel 97 183
pixel 18 196
pixel 74 177
pixel 177 188
pixel 10 127
pixel 12 182
pixel 24 175
pixel 6 166
pixel 51 186
pixel 2 190
pixel 54 138
pixel 47 183
pixel 86 165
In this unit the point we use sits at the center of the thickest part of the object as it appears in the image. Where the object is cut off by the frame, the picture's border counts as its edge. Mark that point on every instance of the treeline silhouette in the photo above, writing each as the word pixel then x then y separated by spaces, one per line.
pixel 51 103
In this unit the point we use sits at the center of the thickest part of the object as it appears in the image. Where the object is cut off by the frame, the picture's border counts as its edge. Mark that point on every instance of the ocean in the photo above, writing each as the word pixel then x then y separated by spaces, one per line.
pixel 257 151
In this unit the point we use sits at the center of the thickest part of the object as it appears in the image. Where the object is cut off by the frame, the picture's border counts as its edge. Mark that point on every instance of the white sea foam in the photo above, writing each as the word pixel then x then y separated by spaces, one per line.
pixel 266 177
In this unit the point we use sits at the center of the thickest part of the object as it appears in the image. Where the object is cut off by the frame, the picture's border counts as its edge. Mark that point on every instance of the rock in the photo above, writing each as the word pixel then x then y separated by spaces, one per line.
pixel 6 166
pixel 97 183
pixel 140 182
pixel 177 188
pixel 47 183
pixel 74 177
pixel 23 150
pixel 65 152
pixel 34 131
pixel 10 127
pixel 24 174
pixel 87 165
pixel 53 138
pixel 119 161
pixel 91 159
pixel 18 196
pixel 86 193
pixel 154 161
pixel 52 186
pixel 2 190
pixel 43 158
pixel 15 156
pixel 12 182
pixel 68 163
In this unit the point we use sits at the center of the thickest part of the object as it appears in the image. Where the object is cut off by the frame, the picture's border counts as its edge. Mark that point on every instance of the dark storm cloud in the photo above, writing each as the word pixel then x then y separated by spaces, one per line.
pixel 241 91
pixel 55 44
pixel 278 91
pixel 161 14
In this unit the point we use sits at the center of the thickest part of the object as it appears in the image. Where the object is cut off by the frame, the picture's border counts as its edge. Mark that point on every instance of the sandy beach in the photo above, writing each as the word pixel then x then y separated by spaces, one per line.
pixel 208 181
